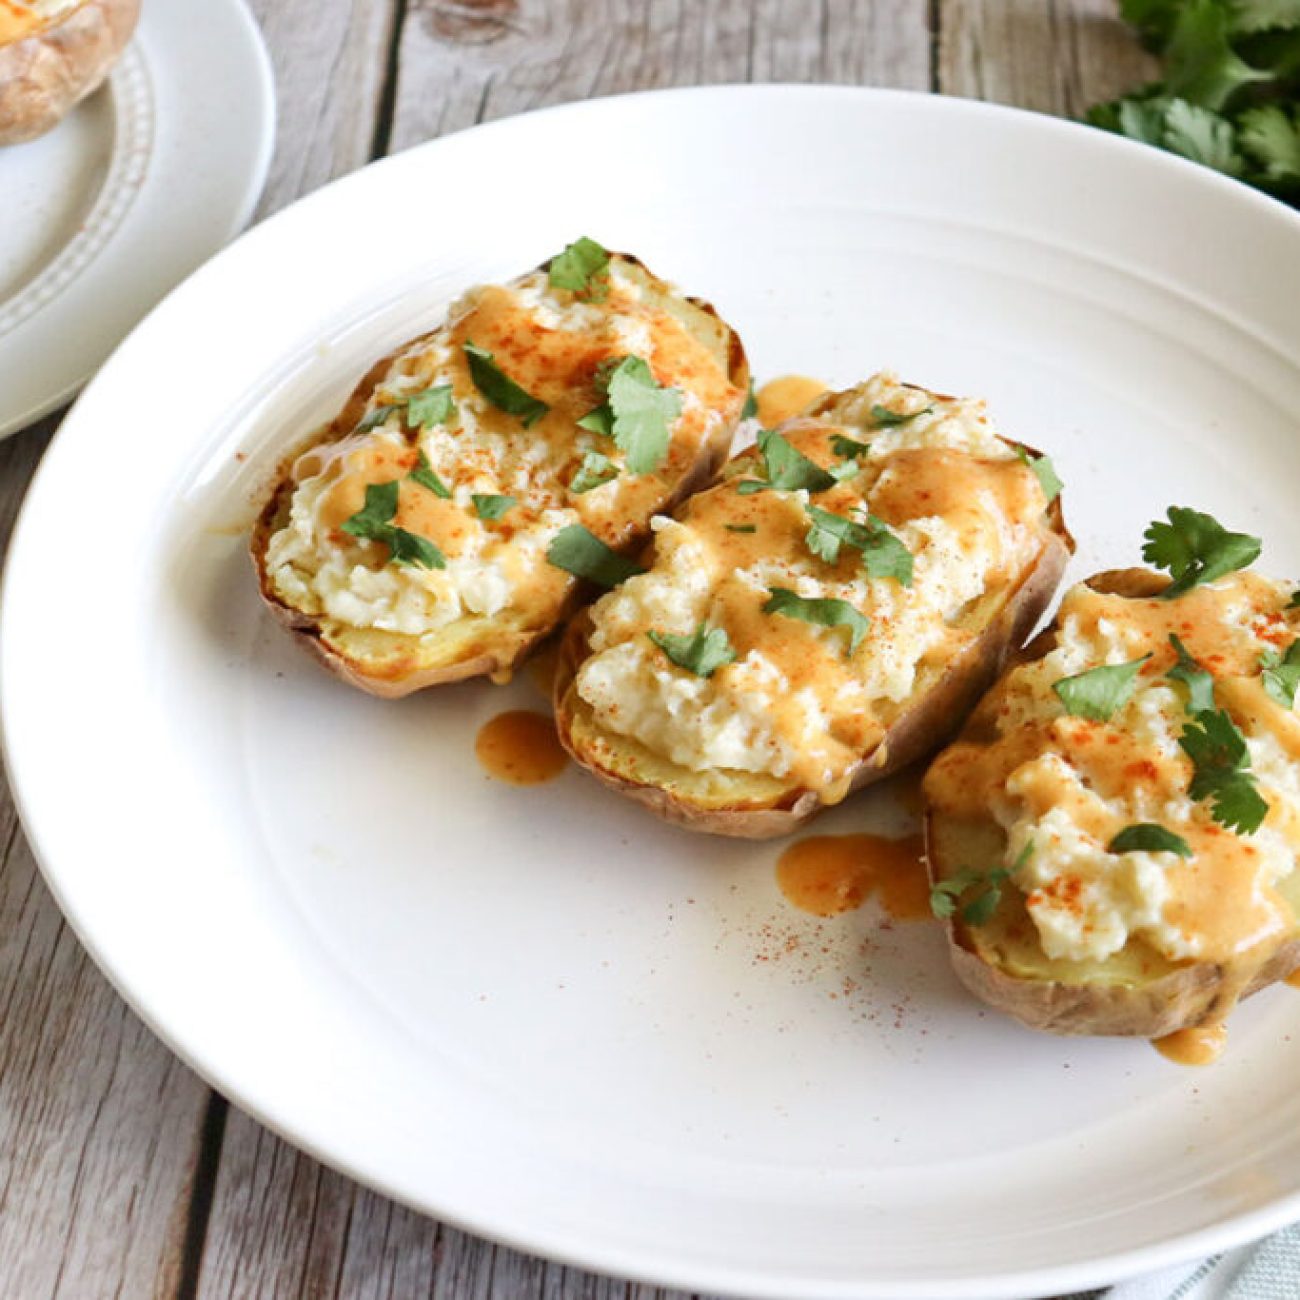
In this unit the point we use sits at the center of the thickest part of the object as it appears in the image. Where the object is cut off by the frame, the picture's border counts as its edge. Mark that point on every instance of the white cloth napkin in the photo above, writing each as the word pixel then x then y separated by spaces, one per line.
pixel 1265 1270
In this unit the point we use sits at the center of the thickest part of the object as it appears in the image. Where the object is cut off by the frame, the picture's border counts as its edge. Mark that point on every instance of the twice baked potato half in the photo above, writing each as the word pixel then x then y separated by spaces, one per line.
pixel 823 616
pixel 53 53
pixel 443 524
pixel 1113 837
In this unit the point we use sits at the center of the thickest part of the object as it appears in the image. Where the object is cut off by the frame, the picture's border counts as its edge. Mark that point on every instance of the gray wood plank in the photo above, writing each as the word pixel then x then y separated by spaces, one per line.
pixel 1056 56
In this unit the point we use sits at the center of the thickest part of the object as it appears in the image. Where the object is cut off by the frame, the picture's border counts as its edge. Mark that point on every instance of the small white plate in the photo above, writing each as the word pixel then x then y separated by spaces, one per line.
pixel 541 1014
pixel 127 195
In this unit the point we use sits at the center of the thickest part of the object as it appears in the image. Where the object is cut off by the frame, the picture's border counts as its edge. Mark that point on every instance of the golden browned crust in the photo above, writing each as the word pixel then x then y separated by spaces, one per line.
pixel 1132 1003
pixel 931 719
pixel 496 648
pixel 43 76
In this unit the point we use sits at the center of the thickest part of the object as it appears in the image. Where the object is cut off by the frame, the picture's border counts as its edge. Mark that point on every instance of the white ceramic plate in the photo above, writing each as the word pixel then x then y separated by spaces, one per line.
pixel 127 195
pixel 540 1013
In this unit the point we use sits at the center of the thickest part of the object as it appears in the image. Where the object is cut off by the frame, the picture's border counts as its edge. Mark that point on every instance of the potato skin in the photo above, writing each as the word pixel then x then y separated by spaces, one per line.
pixel 504 648
pixel 45 75
pixel 1189 995
pixel 926 724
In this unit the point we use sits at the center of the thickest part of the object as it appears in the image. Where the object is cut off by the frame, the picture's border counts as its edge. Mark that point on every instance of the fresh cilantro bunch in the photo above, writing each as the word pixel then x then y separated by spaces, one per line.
pixel 1229 96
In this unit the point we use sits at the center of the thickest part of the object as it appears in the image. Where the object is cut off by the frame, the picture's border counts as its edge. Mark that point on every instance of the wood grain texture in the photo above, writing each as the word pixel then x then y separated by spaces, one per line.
pixel 1056 56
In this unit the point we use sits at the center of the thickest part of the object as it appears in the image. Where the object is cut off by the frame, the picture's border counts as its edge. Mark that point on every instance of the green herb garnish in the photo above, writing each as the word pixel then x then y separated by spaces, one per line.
pixel 883 554
pixel 583 268
pixel 1044 472
pixel 1281 674
pixel 584 555
pixel 740 528
pixel 883 418
pixel 750 409
pixel 702 652
pixel 1198 680
pixel 637 413
pixel 500 389
pixel 982 889
pixel 1196 548
pixel 1100 692
pixel 424 475
pixel 848 448
pixel 1220 759
pixel 596 468
pixel 421 410
pixel 489 506
pixel 822 612
pixel 786 468
pixel 1147 837
pixel 373 522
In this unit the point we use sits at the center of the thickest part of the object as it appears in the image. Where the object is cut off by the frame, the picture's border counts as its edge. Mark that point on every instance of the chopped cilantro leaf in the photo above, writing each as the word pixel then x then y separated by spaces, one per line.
pixel 1099 693
pixel 740 528
pixel 489 506
pixel 883 554
pixel 1198 680
pixel 883 418
pixel 378 416
pixel 637 413
pixel 1148 837
pixel 581 553
pixel 420 410
pixel 1219 761
pixel 703 652
pixel 1281 674
pixel 787 468
pixel 373 522
pixel 1272 138
pixel 750 409
pixel 848 448
pixel 1196 548
pixel 1294 602
pixel 1044 472
pixel 582 267
pixel 596 468
pixel 424 475
pixel 982 889
pixel 500 389
pixel 823 613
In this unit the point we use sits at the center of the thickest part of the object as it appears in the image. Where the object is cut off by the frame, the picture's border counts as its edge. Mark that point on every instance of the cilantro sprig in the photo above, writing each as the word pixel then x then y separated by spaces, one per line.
pixel 1044 472
pixel 581 553
pixel 883 418
pixel 1149 837
pixel 490 506
pixel 981 890
pixel 883 553
pixel 1099 693
pixel 1280 674
pixel 374 522
pixel 1229 94
pixel 1220 761
pixel 1195 548
pixel 420 410
pixel 596 469
pixel 1193 675
pixel 500 389
pixel 638 413
pixel 824 612
pixel 701 652
pixel 785 468
pixel 582 268
pixel 424 475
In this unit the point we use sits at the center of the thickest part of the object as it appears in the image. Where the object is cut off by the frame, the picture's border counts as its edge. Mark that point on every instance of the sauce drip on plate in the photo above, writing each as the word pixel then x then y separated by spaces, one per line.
pixel 1202 1045
pixel 781 399
pixel 830 874
pixel 520 747
pixel 1294 979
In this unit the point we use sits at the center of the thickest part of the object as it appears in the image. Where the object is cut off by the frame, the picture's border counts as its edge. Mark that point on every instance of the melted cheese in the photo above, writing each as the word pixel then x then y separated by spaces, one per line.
pixel 550 344
pixel 795 704
pixel 1069 785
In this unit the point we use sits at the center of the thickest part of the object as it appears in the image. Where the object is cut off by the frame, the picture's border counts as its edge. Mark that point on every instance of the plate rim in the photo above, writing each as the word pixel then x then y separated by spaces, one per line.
pixel 246 198
pixel 1232 1230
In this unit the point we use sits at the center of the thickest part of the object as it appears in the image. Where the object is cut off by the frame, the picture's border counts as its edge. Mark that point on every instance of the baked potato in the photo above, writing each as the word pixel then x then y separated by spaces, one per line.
pixel 1112 838
pixel 823 616
pixel 53 53
pixel 480 479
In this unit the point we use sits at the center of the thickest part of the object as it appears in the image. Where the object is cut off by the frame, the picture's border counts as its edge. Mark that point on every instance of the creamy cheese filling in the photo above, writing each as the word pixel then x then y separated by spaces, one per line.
pixel 1063 787
pixel 795 702
pixel 550 343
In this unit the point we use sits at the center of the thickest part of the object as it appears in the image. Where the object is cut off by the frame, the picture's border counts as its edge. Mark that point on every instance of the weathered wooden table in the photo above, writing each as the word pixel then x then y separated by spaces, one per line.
pixel 121 1172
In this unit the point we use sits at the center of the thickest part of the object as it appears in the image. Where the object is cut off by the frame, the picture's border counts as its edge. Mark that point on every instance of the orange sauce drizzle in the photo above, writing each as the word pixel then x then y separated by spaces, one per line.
pixel 520 747
pixel 782 398
pixel 1200 1045
pixel 1294 979
pixel 830 874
